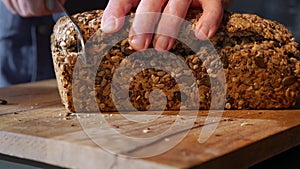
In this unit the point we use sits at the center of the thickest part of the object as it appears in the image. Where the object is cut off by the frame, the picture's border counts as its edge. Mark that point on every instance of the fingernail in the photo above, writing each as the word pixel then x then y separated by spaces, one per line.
pixel 109 25
pixel 162 43
pixel 138 42
pixel 202 33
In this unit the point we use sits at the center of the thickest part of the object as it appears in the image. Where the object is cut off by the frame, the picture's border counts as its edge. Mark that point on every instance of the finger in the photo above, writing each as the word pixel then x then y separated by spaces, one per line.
pixel 38 8
pixel 196 4
pixel 31 8
pixel 22 8
pixel 15 4
pixel 51 4
pixel 210 20
pixel 42 8
pixel 113 16
pixel 54 6
pixel 9 6
pixel 146 17
pixel 170 23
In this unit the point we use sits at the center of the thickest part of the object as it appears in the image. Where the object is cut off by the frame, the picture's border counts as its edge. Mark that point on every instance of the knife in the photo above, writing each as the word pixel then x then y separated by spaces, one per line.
pixel 56 6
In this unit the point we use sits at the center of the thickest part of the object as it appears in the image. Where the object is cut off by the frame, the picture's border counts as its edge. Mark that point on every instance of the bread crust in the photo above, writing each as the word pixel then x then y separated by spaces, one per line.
pixel 259 58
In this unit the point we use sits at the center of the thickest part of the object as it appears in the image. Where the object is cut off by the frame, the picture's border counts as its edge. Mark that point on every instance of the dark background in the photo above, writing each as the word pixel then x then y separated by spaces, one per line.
pixel 286 12
pixel 75 6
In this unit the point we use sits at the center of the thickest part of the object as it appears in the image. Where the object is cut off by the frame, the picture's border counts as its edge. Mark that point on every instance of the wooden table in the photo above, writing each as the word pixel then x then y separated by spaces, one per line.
pixel 33 126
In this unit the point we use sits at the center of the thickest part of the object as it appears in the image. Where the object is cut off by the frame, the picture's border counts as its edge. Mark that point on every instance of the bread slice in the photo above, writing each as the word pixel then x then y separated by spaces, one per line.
pixel 259 58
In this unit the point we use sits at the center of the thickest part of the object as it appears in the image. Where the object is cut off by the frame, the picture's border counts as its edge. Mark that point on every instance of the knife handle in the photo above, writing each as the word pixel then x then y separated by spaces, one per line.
pixel 50 4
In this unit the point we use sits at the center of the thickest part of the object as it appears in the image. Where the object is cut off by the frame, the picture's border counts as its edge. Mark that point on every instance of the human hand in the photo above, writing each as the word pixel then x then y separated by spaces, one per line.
pixel 28 8
pixel 205 28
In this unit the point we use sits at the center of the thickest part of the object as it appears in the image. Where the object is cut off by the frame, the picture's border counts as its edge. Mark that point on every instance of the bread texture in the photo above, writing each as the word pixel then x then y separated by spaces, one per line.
pixel 259 59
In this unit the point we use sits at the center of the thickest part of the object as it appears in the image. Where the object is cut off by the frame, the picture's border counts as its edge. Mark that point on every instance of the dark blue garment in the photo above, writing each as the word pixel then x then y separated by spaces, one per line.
pixel 24 48
pixel 25 43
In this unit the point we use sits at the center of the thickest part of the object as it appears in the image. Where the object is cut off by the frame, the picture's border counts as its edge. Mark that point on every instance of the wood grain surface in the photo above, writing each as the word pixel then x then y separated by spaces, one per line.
pixel 33 125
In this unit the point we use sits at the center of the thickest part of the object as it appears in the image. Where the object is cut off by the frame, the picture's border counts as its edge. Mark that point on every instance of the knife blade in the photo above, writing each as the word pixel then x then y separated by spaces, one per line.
pixel 56 6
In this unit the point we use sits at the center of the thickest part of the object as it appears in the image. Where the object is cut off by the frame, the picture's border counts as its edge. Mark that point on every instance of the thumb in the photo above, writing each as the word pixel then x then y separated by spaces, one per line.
pixel 210 20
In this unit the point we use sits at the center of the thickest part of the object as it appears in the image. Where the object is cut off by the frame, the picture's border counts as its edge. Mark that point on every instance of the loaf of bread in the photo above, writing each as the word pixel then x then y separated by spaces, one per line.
pixel 259 58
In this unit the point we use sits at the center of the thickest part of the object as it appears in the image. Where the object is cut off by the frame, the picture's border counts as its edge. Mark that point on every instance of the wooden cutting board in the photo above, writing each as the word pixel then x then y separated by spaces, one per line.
pixel 33 126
